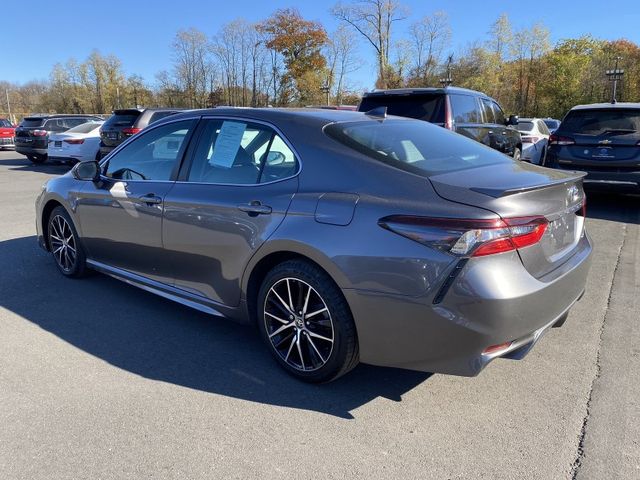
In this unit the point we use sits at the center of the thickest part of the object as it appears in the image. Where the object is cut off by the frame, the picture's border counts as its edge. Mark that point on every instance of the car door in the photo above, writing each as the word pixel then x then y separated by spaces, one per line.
pixel 121 215
pixel 496 133
pixel 229 199
pixel 467 117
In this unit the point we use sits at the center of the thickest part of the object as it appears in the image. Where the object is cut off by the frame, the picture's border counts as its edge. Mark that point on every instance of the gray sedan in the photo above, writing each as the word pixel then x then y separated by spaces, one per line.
pixel 343 236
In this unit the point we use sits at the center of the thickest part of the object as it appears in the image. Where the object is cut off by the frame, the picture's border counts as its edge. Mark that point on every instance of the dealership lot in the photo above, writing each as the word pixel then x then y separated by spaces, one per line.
pixel 102 380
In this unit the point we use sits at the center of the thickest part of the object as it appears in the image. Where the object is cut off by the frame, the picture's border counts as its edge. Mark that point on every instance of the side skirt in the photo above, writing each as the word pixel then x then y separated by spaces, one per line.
pixel 162 289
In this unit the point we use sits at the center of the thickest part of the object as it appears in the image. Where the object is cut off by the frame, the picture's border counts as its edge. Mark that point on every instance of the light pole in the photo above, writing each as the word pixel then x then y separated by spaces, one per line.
pixel 325 88
pixel 613 76
pixel 447 80
pixel 6 91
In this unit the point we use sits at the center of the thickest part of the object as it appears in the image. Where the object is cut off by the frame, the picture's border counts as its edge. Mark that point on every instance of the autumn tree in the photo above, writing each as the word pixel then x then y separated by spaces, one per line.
pixel 373 19
pixel 300 42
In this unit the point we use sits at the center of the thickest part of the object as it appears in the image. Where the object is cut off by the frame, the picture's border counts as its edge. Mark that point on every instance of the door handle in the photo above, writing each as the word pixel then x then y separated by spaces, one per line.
pixel 151 199
pixel 255 208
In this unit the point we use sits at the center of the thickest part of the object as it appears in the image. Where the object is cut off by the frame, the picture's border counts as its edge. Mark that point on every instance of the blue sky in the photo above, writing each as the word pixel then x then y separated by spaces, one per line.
pixel 140 31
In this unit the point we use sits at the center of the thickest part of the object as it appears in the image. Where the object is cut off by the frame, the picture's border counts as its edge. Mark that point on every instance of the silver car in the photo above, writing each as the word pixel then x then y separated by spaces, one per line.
pixel 343 236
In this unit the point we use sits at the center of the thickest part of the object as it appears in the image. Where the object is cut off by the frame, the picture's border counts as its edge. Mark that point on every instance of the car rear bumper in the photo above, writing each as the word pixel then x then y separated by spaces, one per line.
pixel 7 142
pixel 28 151
pixel 491 302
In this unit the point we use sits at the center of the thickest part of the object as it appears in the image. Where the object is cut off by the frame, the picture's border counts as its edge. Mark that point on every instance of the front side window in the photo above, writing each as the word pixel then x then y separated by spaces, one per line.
pixel 240 153
pixel 499 114
pixel 153 155
pixel 489 116
pixel 465 109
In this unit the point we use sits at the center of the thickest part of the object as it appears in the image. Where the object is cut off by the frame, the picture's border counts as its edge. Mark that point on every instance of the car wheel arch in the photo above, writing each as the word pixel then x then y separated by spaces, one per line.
pixel 272 255
pixel 48 207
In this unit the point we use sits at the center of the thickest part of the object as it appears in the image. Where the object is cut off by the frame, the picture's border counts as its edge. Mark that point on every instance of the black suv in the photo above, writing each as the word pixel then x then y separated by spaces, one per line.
pixel 32 135
pixel 470 113
pixel 602 139
pixel 124 123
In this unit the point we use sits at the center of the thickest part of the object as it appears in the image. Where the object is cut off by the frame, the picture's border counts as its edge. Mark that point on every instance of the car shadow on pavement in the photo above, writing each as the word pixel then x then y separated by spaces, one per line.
pixel 25 165
pixel 613 207
pixel 149 336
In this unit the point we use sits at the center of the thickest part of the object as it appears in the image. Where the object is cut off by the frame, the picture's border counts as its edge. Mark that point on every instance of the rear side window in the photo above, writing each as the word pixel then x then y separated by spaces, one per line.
pixel 465 109
pixel 56 125
pixel 598 122
pixel 32 122
pixel 74 122
pixel 121 120
pixel 428 107
pixel 416 147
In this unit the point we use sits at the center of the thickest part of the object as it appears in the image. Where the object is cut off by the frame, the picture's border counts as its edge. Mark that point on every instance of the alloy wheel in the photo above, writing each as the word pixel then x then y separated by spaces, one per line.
pixel 63 243
pixel 298 324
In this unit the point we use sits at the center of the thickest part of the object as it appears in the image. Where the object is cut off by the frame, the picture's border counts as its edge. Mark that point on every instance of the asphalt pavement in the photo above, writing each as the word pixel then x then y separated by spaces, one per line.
pixel 100 380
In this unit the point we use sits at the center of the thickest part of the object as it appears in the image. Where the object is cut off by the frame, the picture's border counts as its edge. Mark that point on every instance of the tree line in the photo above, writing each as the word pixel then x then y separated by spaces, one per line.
pixel 287 60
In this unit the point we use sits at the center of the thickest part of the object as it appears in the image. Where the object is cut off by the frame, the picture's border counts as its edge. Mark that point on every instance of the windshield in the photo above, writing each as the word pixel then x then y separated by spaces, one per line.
pixel 85 127
pixel 525 126
pixel 598 122
pixel 417 147
pixel 429 107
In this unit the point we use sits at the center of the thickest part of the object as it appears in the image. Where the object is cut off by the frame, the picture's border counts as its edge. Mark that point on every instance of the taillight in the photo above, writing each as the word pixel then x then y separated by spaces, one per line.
pixel 531 139
pixel 559 140
pixel 39 133
pixel 465 237
pixel 74 141
pixel 448 118
pixel 130 131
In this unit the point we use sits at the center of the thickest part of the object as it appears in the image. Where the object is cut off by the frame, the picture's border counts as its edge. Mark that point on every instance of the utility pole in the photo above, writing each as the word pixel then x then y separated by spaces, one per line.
pixel 447 80
pixel 613 76
pixel 325 88
pixel 11 119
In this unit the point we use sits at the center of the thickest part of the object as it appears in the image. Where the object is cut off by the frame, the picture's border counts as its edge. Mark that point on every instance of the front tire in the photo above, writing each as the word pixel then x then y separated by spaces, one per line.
pixel 306 323
pixel 64 244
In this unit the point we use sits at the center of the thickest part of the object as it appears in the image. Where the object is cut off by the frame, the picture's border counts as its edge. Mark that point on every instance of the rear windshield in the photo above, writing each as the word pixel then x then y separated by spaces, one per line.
pixel 598 122
pixel 551 123
pixel 155 116
pixel 85 127
pixel 32 122
pixel 5 123
pixel 525 126
pixel 121 119
pixel 428 107
pixel 417 147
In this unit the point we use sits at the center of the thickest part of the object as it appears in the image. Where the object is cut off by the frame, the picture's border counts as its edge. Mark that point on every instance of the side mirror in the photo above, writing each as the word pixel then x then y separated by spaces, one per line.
pixel 275 158
pixel 89 170
pixel 513 120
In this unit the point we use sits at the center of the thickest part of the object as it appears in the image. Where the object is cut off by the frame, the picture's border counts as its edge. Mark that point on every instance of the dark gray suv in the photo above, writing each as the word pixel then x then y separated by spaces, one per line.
pixel 32 135
pixel 124 123
pixel 470 113
pixel 604 141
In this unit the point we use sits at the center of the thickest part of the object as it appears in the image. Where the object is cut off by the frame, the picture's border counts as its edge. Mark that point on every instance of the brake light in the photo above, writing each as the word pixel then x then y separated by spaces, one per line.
pixel 130 131
pixel 74 141
pixel 559 140
pixel 528 139
pixel 39 133
pixel 466 237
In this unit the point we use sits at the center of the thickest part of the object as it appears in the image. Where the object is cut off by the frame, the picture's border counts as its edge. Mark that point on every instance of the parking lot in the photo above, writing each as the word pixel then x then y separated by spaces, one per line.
pixel 99 379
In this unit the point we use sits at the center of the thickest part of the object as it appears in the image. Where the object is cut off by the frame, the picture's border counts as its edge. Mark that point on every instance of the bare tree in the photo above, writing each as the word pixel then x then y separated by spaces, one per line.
pixel 341 57
pixel 373 19
pixel 429 37
pixel 192 65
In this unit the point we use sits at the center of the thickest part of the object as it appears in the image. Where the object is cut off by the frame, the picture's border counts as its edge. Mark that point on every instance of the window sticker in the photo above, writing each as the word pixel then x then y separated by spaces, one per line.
pixel 227 144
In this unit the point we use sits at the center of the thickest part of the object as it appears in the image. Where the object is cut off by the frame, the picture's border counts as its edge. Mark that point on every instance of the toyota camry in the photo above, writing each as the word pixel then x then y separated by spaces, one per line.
pixel 345 237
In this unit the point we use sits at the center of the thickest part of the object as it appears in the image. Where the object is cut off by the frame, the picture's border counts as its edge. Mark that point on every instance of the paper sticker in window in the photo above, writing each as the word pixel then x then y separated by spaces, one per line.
pixel 227 144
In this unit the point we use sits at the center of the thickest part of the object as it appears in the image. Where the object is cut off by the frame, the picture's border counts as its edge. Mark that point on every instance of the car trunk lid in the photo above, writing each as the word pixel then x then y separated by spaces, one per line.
pixel 514 190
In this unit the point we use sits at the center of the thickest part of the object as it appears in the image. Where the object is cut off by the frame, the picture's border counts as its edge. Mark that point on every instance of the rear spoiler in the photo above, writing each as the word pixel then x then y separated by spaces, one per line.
pixel 499 192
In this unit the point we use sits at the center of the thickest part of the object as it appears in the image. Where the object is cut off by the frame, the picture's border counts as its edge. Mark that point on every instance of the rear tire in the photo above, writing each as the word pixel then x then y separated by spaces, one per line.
pixel 65 245
pixel 37 159
pixel 316 340
pixel 517 155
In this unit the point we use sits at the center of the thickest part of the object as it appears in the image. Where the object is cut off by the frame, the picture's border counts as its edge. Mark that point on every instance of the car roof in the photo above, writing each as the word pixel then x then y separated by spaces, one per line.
pixel 307 115
pixel 607 106
pixel 406 91
pixel 60 115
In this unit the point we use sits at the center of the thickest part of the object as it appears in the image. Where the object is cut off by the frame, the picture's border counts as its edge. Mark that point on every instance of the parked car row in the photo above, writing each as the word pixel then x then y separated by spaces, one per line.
pixel 73 138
